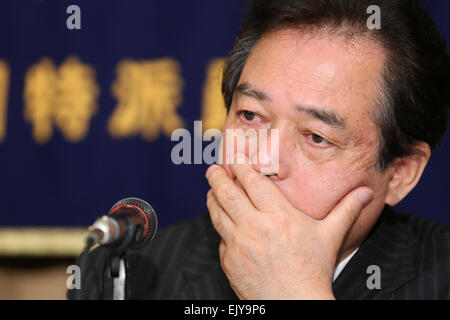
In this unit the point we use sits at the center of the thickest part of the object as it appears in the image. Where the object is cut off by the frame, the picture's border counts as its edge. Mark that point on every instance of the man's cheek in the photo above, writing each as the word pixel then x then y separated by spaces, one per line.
pixel 313 199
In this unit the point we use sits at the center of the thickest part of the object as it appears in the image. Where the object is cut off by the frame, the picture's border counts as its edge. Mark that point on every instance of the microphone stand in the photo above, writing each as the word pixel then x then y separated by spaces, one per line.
pixel 114 278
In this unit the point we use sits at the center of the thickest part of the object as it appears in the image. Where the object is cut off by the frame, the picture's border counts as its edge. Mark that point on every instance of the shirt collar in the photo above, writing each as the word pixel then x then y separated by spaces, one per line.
pixel 342 264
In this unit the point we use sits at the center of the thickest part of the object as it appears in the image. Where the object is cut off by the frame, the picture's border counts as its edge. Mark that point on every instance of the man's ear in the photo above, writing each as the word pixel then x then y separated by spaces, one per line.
pixel 407 172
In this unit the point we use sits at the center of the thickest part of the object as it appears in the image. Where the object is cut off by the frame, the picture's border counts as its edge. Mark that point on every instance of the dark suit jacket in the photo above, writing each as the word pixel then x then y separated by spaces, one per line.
pixel 182 262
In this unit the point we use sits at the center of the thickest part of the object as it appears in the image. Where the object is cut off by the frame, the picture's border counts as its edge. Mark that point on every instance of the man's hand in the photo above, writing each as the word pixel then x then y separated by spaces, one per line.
pixel 269 249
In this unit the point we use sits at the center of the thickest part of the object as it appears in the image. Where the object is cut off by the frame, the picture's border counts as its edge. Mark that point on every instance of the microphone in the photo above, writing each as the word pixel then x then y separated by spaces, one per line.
pixel 131 223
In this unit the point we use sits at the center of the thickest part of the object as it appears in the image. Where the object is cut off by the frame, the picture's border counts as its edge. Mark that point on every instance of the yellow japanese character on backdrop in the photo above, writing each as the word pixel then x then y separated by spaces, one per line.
pixel 39 96
pixel 76 101
pixel 64 97
pixel 148 94
pixel 213 107
pixel 4 86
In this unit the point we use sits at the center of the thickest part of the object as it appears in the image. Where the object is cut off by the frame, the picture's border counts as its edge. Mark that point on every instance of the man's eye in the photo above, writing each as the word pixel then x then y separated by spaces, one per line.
pixel 249 116
pixel 318 140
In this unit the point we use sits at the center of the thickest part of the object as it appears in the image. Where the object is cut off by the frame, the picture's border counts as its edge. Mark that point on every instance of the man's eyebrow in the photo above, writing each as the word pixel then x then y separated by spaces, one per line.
pixel 246 89
pixel 327 116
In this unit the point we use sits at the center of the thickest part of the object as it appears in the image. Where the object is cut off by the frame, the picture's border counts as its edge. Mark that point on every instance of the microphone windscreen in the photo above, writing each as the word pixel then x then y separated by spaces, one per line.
pixel 147 210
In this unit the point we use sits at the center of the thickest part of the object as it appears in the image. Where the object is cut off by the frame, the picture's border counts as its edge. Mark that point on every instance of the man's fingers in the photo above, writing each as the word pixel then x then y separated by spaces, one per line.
pixel 342 217
pixel 220 220
pixel 263 193
pixel 222 248
pixel 233 199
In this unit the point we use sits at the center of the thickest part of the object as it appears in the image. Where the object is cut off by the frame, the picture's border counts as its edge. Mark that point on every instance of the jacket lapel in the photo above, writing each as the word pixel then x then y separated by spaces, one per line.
pixel 202 272
pixel 389 247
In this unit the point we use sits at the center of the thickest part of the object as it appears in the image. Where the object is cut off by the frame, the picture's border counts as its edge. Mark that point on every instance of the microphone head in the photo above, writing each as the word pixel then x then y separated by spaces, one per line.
pixel 147 212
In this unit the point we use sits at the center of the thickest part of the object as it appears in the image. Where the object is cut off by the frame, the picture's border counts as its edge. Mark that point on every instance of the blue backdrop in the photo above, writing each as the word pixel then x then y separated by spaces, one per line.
pixel 67 156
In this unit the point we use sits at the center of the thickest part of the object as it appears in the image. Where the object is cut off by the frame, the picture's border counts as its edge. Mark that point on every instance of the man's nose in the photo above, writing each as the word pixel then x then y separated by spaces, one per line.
pixel 266 159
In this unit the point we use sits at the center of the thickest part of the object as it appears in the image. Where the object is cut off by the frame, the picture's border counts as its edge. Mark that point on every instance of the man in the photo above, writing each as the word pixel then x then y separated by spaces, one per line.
pixel 357 111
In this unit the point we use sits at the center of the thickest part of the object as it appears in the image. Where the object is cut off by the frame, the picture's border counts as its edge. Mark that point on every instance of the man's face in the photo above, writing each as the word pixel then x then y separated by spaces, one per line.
pixel 320 93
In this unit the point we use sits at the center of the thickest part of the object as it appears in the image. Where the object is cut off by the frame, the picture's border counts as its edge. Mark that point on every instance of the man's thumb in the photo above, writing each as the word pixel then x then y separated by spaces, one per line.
pixel 345 213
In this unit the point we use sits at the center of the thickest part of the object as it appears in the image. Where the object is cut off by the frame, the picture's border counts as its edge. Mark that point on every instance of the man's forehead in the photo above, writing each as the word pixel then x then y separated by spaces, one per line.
pixel 314 70
pixel 325 56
